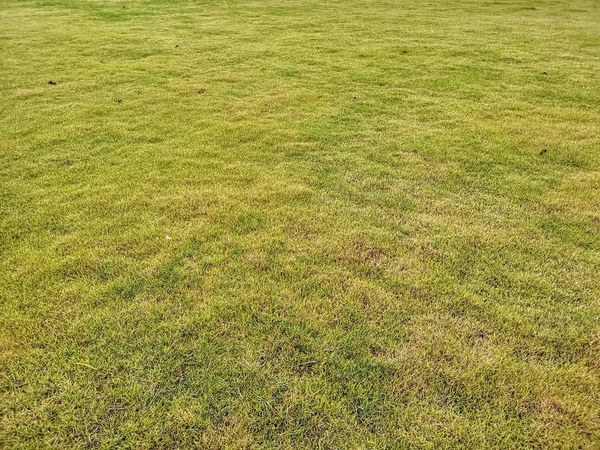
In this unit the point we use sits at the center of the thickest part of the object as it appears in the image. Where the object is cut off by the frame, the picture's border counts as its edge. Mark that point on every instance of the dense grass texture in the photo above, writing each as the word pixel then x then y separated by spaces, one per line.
pixel 300 224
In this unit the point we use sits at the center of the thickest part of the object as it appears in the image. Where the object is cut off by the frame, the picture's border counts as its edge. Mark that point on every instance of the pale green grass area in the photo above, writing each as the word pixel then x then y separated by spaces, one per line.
pixel 306 224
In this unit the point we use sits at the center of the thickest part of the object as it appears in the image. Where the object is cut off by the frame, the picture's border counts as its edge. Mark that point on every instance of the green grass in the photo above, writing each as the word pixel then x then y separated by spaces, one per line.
pixel 306 224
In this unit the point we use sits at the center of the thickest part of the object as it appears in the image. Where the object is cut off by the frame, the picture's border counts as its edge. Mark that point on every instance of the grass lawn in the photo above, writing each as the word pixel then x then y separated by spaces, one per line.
pixel 299 224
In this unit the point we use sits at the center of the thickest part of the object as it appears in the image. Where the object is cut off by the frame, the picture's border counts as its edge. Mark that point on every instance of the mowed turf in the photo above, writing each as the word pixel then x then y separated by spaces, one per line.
pixel 300 224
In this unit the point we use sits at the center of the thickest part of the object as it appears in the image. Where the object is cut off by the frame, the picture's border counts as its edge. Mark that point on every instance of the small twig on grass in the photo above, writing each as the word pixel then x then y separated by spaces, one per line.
pixel 86 365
